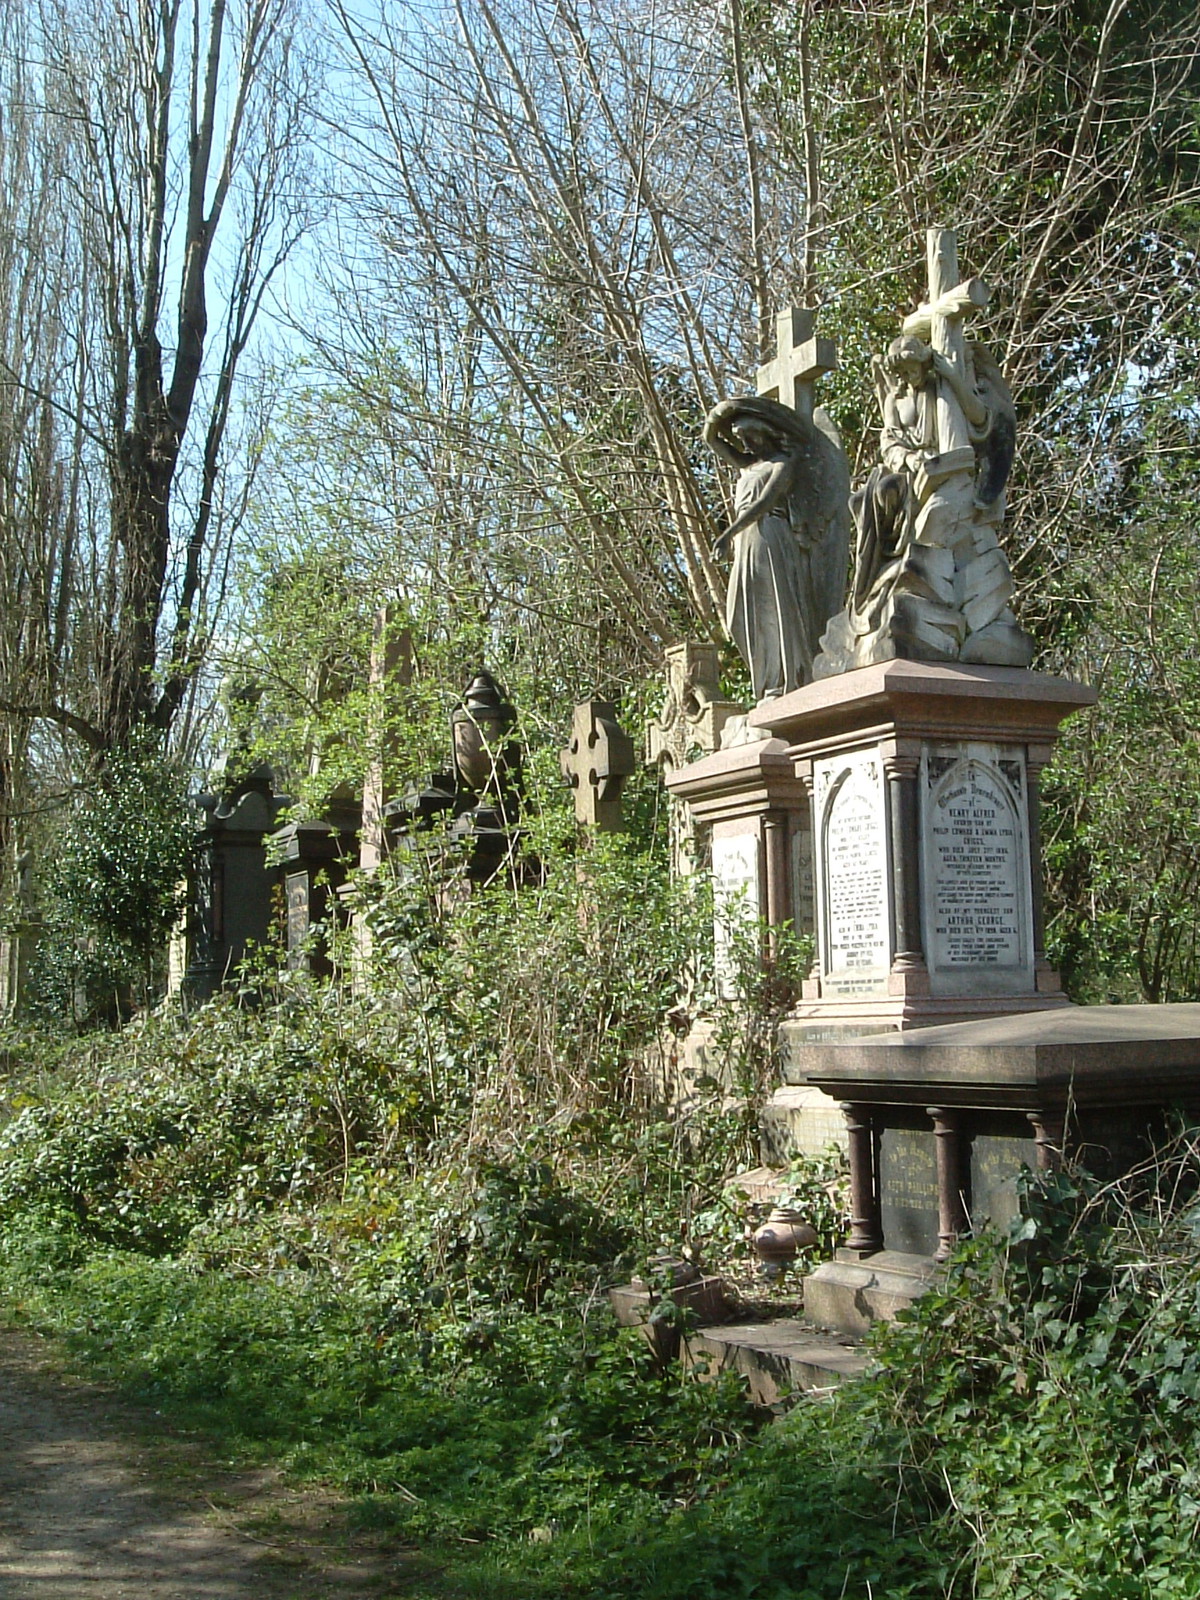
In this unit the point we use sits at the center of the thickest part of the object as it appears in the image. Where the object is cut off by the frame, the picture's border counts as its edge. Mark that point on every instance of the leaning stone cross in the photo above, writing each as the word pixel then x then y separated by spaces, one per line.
pixel 800 359
pixel 940 323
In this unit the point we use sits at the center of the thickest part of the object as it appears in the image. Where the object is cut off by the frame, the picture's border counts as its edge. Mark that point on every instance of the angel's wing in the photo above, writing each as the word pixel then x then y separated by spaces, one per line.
pixel 820 517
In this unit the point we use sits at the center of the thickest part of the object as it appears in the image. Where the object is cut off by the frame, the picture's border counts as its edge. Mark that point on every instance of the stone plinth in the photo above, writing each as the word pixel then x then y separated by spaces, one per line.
pixel 942 1119
pixel 755 811
pixel 923 780
pixel 778 1359
pixel 316 857
pixel 749 802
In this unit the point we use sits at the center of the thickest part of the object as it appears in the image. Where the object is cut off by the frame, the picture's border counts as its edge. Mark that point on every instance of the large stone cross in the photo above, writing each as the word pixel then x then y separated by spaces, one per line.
pixel 800 359
pixel 940 323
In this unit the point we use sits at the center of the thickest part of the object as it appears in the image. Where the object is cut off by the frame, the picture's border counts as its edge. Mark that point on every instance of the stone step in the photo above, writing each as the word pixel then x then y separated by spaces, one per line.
pixel 776 1358
pixel 851 1292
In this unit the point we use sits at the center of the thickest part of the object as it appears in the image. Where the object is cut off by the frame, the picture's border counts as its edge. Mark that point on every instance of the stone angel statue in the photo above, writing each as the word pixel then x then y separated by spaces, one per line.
pixel 790 535
pixel 931 580
pixel 906 381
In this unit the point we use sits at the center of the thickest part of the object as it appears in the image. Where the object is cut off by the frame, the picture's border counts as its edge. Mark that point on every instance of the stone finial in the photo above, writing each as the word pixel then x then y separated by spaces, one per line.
pixel 596 764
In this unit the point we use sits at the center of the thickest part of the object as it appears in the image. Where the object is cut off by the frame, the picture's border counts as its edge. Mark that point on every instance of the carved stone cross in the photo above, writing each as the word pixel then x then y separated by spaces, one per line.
pixel 596 764
pixel 800 359
pixel 940 324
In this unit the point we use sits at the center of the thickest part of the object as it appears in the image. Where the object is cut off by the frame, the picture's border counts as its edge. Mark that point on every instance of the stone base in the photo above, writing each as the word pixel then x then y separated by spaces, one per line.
pixel 849 1293
pixel 776 1358
pixel 704 1301
pixel 799 1120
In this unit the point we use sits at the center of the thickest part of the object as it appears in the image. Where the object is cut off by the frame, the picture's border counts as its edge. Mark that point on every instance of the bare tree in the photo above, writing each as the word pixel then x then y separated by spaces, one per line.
pixel 181 127
pixel 573 196
pixel 43 489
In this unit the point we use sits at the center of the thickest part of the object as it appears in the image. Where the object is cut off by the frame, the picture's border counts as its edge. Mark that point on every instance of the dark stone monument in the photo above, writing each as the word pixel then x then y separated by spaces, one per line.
pixel 475 807
pixel 488 766
pixel 231 888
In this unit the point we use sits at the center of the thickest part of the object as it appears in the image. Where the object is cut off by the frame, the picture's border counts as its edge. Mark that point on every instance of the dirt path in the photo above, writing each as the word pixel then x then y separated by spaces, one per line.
pixel 98 1501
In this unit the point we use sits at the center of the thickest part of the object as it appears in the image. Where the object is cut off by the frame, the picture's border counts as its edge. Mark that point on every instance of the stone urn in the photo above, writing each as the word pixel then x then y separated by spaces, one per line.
pixel 480 726
pixel 782 1235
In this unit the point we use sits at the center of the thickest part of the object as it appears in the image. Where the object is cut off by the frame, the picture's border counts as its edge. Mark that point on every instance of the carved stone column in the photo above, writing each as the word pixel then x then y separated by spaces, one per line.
pixel 866 1231
pixel 775 839
pixel 1049 1133
pixel 908 954
pixel 1046 980
pixel 952 1215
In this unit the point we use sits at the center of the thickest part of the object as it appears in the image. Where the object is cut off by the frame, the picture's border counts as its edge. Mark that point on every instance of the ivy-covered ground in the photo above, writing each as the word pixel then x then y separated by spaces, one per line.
pixel 228 1216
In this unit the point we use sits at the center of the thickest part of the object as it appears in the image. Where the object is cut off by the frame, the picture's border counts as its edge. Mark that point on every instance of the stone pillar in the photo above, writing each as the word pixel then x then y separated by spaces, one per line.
pixel 811 988
pixel 1049 1133
pixel 391 667
pixel 909 974
pixel 866 1231
pixel 952 1214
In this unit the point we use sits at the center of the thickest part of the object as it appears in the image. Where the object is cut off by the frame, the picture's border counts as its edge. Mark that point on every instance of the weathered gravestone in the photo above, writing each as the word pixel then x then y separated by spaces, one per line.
pixel 315 855
pixel 231 888
pixel 689 726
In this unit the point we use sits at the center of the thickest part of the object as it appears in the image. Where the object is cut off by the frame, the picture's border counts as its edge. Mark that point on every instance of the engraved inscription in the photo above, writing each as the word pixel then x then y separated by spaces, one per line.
pixel 735 902
pixel 802 880
pixel 976 858
pixel 996 1160
pixel 297 909
pixel 857 950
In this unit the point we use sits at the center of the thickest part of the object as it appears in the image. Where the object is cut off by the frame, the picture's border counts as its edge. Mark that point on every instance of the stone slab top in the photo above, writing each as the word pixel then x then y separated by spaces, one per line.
pixel 878 692
pixel 1114 1055
pixel 741 758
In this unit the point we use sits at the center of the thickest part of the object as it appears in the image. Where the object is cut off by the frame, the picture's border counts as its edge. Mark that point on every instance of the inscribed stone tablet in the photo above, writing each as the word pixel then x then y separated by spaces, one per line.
pixel 802 881
pixel 856 943
pixel 297 909
pixel 977 890
pixel 908 1192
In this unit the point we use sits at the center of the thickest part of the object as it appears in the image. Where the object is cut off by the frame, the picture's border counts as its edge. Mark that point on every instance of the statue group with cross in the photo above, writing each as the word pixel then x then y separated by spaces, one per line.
pixel 930 580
